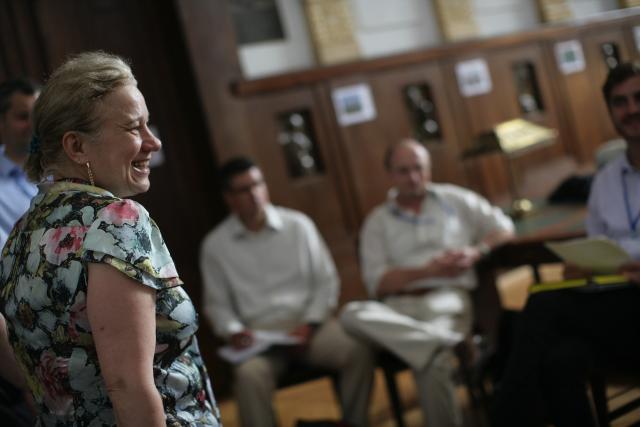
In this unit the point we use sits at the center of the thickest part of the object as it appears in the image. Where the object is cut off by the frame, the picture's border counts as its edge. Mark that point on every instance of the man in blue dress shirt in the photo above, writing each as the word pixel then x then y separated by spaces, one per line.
pixel 563 334
pixel 17 98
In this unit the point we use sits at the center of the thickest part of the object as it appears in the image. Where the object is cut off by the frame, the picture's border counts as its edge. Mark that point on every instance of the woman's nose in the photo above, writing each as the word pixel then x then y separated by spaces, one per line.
pixel 151 142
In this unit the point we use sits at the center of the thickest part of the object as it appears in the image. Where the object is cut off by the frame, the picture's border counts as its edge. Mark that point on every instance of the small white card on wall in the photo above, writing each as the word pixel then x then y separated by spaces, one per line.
pixel 473 77
pixel 569 56
pixel 636 36
pixel 353 104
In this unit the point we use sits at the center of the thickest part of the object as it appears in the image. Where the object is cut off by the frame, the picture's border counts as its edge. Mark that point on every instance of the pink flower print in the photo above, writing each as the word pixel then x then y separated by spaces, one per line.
pixel 201 397
pixel 78 320
pixel 168 271
pixel 53 373
pixel 119 213
pixel 160 348
pixel 62 241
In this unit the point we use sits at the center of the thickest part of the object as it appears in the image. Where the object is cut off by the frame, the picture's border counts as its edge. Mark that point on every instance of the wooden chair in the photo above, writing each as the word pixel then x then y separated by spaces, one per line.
pixel 626 377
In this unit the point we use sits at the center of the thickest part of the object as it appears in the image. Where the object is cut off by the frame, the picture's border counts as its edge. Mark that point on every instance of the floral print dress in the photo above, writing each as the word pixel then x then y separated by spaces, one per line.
pixel 43 290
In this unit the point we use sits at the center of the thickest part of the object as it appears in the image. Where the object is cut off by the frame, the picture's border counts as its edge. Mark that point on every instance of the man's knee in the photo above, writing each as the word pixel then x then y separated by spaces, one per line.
pixel 353 314
pixel 441 369
pixel 254 372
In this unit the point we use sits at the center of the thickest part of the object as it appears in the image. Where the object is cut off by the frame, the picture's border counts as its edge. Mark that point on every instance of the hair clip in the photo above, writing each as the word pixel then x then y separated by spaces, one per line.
pixel 35 144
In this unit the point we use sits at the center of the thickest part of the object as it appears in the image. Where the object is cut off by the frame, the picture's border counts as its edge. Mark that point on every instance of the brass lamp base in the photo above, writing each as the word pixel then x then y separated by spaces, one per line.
pixel 521 207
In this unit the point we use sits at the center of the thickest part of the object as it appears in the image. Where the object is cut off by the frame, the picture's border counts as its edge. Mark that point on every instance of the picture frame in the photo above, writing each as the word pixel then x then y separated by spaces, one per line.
pixel 473 77
pixel 569 56
pixel 353 104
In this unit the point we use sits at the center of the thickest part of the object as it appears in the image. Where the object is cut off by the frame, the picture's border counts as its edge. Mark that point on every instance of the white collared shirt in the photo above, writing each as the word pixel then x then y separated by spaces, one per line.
pixel 451 217
pixel 276 278
pixel 615 185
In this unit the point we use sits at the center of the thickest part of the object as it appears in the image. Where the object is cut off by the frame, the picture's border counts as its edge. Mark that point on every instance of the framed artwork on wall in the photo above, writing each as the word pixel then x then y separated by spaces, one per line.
pixel 569 56
pixel 353 104
pixel 473 77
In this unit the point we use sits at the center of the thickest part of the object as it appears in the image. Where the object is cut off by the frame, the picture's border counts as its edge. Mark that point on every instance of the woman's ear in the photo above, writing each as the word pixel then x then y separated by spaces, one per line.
pixel 74 146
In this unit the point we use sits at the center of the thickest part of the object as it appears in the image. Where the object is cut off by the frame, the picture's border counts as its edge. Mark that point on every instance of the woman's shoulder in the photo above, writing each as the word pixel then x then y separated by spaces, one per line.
pixel 118 212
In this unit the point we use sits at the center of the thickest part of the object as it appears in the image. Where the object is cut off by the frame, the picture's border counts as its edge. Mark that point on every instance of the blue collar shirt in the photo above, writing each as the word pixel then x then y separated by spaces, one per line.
pixel 614 205
pixel 16 193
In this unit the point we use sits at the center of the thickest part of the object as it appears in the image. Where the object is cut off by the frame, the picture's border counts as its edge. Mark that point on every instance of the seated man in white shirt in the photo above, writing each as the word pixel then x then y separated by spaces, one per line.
pixel 267 268
pixel 417 253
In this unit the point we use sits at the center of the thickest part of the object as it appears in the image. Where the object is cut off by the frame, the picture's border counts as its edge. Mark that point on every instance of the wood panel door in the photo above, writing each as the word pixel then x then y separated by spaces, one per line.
pixel 595 44
pixel 491 174
pixel 322 194
pixel 581 91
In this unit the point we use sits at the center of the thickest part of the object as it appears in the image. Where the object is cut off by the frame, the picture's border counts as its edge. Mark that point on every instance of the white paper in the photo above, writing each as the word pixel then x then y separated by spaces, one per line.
pixel 262 340
pixel 473 77
pixel 353 104
pixel 569 56
pixel 599 254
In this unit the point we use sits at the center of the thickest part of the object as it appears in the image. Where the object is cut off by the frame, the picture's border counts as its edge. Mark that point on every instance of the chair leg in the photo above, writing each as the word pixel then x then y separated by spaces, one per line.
pixel 599 394
pixel 394 396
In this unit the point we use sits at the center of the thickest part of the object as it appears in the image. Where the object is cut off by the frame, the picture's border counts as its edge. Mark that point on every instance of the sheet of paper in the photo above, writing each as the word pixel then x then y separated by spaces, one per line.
pixel 598 254
pixel 262 340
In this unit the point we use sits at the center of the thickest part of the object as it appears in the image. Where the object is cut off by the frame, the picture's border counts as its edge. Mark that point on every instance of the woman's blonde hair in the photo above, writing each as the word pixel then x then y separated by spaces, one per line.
pixel 68 102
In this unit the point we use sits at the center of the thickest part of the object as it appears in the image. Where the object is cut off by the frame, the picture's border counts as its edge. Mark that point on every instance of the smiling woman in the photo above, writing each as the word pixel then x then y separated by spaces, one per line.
pixel 95 310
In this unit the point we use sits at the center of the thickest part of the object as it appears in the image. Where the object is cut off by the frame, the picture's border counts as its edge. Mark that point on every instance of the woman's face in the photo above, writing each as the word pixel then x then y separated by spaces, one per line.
pixel 120 151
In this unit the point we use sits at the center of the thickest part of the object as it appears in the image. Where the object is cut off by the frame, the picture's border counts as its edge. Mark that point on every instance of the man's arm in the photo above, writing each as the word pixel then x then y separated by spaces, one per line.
pixel 380 277
pixel 9 368
pixel 218 305
pixel 488 222
pixel 325 282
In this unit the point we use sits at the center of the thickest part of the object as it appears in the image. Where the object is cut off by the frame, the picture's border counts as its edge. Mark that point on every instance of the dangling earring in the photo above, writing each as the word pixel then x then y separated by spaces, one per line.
pixel 90 172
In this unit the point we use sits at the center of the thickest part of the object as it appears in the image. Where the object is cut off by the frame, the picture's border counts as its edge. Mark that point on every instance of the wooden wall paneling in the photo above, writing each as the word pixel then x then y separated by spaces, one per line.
pixel 598 71
pixel 503 62
pixel 582 99
pixel 21 53
pixel 345 250
pixel 363 145
pixel 212 48
pixel 475 115
pixel 490 174
pixel 316 195
pixel 630 40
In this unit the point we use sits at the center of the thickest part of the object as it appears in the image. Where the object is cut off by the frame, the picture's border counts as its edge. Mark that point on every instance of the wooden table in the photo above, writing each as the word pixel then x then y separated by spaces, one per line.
pixel 547 222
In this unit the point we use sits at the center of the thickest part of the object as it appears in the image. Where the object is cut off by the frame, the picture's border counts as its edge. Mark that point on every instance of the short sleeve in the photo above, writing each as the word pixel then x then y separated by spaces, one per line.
pixel 125 237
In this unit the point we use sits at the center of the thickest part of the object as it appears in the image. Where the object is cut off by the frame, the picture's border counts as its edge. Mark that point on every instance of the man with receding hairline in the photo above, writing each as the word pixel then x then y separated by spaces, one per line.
pixel 417 252
pixel 17 98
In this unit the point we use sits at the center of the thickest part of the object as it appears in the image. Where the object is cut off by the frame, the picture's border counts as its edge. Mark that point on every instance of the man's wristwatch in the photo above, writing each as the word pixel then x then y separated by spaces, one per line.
pixel 484 249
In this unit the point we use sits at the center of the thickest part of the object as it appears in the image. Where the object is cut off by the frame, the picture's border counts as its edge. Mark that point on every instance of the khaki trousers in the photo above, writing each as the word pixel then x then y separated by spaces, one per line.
pixel 330 348
pixel 421 330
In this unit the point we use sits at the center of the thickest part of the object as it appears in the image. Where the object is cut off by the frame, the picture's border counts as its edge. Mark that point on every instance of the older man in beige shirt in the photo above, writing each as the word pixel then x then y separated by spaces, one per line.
pixel 417 252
